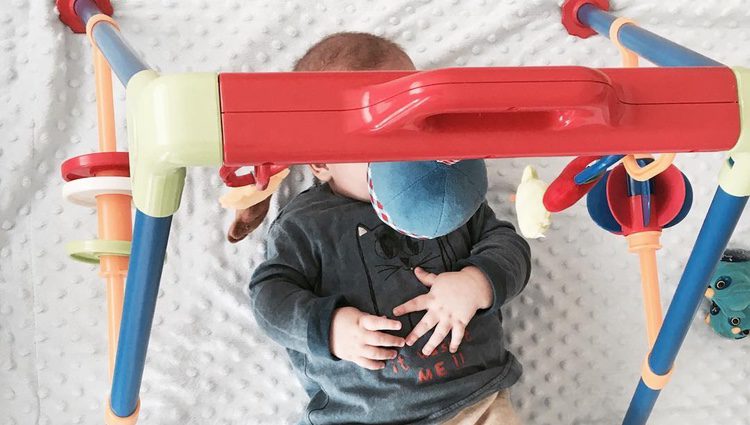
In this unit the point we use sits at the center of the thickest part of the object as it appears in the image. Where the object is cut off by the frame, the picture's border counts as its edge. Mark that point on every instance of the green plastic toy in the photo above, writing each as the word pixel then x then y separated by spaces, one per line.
pixel 729 294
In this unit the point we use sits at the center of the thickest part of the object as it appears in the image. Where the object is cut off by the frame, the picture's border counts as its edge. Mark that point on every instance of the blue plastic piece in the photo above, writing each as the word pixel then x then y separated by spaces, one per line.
pixel 642 189
pixel 646 202
pixel 598 206
pixel 150 235
pixel 85 9
pixel 718 226
pixel 686 204
pixel 122 59
pixel 646 44
pixel 640 408
pixel 596 169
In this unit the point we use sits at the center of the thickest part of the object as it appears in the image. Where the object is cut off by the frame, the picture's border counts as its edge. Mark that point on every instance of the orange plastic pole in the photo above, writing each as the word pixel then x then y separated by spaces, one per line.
pixel 114 224
pixel 105 111
pixel 646 244
pixel 113 211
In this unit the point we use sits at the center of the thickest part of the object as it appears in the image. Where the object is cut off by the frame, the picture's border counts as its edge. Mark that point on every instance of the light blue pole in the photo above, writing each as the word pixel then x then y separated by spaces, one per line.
pixel 122 59
pixel 646 44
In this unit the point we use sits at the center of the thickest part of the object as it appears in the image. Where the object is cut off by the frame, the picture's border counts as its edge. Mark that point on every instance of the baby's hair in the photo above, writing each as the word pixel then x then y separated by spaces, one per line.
pixel 354 51
pixel 344 51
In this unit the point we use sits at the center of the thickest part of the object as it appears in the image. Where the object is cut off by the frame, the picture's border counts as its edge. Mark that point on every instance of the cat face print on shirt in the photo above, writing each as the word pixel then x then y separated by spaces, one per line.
pixel 389 259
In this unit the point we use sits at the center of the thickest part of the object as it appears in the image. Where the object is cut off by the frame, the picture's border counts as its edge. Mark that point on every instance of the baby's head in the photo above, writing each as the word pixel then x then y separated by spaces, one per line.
pixel 351 51
pixel 354 51
pixel 346 51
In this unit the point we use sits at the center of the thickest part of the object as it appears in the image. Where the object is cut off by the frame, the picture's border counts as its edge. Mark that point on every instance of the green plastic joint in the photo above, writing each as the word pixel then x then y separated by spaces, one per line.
pixel 90 251
pixel 174 122
pixel 735 178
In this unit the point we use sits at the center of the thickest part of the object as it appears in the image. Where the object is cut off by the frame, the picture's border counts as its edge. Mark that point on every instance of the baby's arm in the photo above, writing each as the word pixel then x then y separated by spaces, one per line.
pixel 500 254
pixel 281 292
pixel 288 310
pixel 497 269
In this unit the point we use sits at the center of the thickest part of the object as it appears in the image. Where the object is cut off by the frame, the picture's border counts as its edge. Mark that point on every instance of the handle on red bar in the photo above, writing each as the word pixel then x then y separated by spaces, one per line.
pixel 515 105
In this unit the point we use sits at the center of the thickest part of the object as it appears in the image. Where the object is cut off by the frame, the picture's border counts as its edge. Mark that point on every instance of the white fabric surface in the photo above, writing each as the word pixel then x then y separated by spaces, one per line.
pixel 578 328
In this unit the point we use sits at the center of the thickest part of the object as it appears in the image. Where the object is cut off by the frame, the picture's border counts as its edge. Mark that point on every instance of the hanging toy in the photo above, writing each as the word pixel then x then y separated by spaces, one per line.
pixel 427 199
pixel 729 294
pixel 533 217
pixel 639 210
pixel 727 323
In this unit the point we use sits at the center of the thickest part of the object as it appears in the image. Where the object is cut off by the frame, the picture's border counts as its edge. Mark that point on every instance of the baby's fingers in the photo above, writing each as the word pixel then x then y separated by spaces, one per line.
pixel 428 322
pixel 370 364
pixel 415 304
pixel 382 339
pixel 457 335
pixel 378 353
pixel 377 323
pixel 441 331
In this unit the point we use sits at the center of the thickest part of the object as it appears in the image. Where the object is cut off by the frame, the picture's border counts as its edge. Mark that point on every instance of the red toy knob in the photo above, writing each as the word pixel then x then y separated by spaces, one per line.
pixel 70 18
pixel 570 16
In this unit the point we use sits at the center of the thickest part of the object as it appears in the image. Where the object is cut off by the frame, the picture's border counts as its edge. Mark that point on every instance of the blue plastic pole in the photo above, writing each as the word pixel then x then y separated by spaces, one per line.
pixel 85 9
pixel 122 59
pixel 646 44
pixel 718 226
pixel 149 246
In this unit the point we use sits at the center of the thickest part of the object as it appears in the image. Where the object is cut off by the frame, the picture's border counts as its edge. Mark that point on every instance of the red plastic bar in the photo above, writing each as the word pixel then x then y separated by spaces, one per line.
pixel 288 118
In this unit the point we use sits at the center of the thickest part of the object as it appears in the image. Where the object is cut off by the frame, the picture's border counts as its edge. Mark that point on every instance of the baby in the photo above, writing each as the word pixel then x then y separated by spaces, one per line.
pixel 382 328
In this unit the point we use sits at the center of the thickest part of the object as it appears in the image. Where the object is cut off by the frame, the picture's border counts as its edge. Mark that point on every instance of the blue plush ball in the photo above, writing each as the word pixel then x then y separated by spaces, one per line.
pixel 427 199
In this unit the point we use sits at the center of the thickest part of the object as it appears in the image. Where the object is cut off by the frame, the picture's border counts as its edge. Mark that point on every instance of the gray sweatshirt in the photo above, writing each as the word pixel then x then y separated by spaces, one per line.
pixel 327 251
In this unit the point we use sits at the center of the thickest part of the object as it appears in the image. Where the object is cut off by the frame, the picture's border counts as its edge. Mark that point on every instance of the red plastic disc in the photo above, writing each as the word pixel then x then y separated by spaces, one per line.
pixel 570 16
pixel 69 17
pixel 94 164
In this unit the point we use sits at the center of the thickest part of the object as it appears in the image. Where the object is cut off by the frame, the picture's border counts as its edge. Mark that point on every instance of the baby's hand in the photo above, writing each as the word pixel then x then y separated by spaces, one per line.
pixel 452 302
pixel 356 337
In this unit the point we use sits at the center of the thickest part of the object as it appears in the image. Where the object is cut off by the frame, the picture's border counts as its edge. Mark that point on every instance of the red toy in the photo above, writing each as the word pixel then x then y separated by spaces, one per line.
pixel 70 18
pixel 570 20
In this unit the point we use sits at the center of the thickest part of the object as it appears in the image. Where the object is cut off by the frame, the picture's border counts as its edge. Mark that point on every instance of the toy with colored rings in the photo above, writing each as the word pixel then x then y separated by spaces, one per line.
pixel 90 251
pixel 84 191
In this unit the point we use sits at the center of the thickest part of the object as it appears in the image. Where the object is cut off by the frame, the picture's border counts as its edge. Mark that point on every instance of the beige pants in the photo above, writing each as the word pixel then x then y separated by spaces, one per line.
pixel 493 410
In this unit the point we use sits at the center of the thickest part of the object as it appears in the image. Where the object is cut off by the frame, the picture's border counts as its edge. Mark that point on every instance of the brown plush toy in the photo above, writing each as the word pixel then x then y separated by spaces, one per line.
pixel 247 220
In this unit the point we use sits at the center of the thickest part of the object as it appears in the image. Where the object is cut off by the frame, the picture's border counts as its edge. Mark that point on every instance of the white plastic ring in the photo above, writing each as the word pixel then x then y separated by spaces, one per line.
pixel 84 191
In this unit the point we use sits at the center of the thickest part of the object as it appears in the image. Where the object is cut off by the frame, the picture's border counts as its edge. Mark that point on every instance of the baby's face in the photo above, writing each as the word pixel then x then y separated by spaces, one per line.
pixel 350 180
